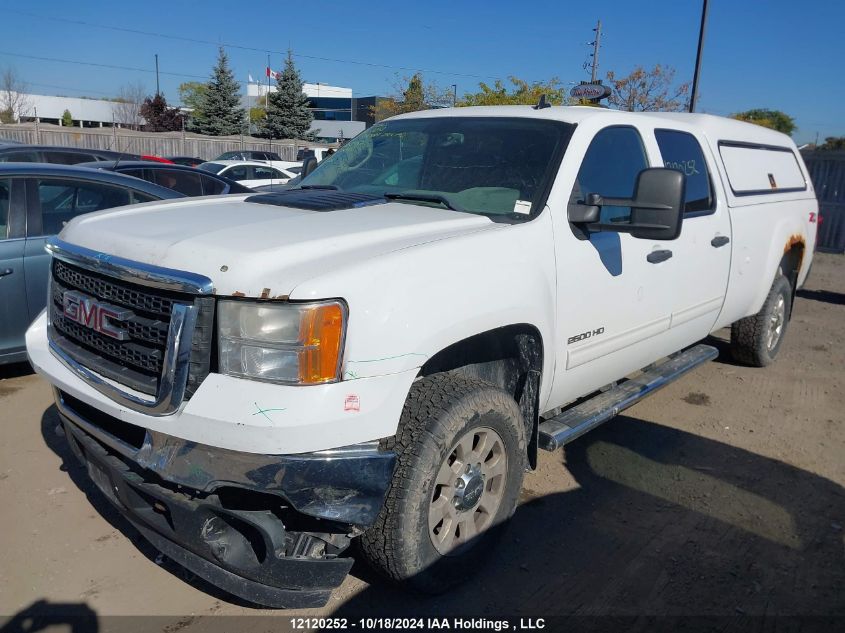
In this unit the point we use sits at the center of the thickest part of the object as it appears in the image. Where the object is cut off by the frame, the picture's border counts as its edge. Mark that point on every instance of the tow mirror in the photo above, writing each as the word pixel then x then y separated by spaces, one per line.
pixel 657 208
pixel 309 164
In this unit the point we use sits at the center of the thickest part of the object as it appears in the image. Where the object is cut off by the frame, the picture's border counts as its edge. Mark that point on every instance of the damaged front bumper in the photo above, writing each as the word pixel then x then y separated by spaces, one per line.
pixel 267 528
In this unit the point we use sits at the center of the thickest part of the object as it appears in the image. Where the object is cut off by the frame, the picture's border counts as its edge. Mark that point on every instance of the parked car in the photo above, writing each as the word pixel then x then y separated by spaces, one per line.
pixel 188 161
pixel 249 174
pixel 156 159
pixel 317 152
pixel 186 180
pixel 58 155
pixel 36 201
pixel 249 155
pixel 380 353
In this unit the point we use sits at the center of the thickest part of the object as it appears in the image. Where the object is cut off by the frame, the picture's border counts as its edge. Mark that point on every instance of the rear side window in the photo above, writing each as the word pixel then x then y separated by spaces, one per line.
pixel 211 186
pixel 681 151
pixel 238 172
pixel 68 158
pixel 610 168
pixel 19 157
pixel 759 169
pixel 186 182
pixel 63 200
pixel 265 173
pixel 138 197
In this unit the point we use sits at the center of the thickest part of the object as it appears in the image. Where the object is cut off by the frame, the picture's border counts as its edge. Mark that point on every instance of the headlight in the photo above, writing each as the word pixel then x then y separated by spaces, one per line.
pixel 293 343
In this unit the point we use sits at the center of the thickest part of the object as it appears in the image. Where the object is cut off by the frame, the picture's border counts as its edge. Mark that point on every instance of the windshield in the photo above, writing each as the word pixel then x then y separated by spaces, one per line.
pixel 214 168
pixel 491 166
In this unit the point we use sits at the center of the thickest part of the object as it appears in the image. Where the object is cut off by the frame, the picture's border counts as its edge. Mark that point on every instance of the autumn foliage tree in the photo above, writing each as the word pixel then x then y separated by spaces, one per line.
pixel 520 92
pixel 648 90
pixel 411 95
pixel 773 119
pixel 159 116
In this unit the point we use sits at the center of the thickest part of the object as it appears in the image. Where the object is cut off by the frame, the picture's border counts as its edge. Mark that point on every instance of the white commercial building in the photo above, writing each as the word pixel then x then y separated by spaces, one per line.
pixel 85 112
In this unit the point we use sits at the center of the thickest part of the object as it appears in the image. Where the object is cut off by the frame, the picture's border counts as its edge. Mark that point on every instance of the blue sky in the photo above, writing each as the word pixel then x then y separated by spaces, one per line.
pixel 777 54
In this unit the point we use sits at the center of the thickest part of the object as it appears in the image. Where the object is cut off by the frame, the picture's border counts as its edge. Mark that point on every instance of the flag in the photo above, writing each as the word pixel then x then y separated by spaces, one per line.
pixel 272 73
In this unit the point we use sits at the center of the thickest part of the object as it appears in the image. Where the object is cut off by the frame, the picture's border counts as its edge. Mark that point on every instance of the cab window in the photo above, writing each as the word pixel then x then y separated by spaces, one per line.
pixel 681 151
pixel 238 172
pixel 610 168
pixel 266 173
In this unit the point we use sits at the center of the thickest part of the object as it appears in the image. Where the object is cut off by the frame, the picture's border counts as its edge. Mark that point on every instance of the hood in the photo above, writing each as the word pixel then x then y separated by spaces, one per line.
pixel 254 249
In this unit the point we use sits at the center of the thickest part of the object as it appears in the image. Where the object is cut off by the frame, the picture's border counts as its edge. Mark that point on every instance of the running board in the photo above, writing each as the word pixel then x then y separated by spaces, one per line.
pixel 574 422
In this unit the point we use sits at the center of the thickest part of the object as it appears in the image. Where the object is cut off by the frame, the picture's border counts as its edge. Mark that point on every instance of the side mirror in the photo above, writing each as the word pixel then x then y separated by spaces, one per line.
pixel 657 208
pixel 309 164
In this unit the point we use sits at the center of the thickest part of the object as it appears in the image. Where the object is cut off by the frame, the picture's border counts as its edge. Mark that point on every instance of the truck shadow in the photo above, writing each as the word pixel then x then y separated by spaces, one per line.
pixel 825 296
pixel 660 522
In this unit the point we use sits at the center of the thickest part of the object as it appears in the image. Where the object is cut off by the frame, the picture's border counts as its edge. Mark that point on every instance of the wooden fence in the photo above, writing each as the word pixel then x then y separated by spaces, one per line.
pixel 154 143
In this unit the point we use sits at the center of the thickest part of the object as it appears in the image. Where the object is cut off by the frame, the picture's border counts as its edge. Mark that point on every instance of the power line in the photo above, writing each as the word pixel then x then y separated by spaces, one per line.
pixel 98 65
pixel 246 48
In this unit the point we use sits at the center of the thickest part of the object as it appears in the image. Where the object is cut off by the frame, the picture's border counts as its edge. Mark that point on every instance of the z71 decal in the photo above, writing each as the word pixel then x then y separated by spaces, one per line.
pixel 584 335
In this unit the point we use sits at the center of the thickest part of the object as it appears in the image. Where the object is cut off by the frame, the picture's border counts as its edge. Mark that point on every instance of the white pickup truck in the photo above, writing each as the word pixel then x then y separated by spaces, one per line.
pixel 380 353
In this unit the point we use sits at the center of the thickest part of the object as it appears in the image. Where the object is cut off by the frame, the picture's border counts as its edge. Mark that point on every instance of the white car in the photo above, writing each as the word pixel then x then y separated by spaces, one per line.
pixel 252 173
pixel 379 353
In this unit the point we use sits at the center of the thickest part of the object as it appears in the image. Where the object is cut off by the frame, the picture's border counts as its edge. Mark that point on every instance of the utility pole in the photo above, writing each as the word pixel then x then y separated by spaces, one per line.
pixel 157 88
pixel 596 45
pixel 454 95
pixel 694 95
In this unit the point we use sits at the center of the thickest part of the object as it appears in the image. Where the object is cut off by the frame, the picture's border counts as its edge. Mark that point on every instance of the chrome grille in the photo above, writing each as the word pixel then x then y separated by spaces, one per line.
pixel 158 326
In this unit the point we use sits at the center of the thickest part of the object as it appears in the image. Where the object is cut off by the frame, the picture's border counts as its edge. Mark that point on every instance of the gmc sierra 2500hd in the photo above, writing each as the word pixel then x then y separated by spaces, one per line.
pixel 379 353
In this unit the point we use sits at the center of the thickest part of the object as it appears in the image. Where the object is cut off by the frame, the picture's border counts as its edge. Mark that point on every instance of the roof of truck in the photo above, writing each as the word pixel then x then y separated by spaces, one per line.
pixel 716 127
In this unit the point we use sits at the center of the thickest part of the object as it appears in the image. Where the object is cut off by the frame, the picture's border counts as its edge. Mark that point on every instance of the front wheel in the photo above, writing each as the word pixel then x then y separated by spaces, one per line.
pixel 460 462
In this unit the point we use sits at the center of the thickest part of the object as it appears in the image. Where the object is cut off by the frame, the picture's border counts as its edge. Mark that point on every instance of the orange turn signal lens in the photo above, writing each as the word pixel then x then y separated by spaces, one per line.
pixel 321 335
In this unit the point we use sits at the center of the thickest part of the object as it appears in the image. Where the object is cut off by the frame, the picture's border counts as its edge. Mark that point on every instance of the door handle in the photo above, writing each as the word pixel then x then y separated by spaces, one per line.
pixel 719 240
pixel 8 271
pixel 655 257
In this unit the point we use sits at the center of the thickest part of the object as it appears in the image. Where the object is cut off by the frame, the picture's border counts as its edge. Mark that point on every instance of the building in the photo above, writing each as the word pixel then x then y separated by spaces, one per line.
pixel 84 112
pixel 336 112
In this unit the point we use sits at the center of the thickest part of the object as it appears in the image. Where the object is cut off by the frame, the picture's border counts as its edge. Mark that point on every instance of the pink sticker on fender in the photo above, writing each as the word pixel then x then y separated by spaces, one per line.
pixel 352 403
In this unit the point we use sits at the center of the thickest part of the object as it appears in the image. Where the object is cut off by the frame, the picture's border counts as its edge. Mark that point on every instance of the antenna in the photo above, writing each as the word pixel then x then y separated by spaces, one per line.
pixel 542 104
pixel 122 154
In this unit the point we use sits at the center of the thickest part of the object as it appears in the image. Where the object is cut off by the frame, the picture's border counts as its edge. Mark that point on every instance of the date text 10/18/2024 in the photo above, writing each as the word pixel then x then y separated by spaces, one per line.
pixel 422 624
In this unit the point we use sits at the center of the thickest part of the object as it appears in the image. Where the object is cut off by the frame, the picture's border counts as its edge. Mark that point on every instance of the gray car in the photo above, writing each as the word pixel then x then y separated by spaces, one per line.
pixel 36 200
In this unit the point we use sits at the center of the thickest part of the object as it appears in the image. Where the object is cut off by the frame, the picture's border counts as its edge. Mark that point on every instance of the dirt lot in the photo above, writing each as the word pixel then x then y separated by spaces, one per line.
pixel 721 495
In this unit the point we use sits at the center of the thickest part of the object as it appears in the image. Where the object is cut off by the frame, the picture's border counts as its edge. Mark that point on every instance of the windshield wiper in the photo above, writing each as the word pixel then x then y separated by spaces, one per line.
pixel 425 197
pixel 332 187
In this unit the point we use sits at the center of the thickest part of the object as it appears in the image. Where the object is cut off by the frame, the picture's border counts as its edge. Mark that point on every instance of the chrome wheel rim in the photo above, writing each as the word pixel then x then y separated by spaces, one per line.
pixel 776 323
pixel 468 490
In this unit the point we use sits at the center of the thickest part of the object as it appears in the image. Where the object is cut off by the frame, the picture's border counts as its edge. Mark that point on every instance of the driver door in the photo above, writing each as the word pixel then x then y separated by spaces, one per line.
pixel 613 304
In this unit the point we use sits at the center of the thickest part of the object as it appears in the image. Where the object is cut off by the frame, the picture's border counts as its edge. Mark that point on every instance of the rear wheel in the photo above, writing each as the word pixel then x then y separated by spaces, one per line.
pixel 756 340
pixel 460 462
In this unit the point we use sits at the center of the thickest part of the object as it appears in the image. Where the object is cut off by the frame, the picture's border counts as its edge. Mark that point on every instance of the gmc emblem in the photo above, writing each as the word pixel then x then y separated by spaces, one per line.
pixel 99 317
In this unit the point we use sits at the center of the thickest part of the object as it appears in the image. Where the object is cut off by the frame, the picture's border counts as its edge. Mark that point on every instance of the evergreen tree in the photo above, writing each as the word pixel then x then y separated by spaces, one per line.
pixel 67 118
pixel 288 115
pixel 159 116
pixel 220 113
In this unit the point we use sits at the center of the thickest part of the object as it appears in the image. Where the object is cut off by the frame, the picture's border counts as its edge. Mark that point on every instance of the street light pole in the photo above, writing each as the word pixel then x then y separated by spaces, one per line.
pixel 694 95
pixel 454 95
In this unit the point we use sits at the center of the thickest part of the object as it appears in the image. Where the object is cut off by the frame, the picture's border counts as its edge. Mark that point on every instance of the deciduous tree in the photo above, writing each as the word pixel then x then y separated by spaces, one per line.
pixel 833 143
pixel 648 90
pixel 14 101
pixel 127 106
pixel 774 119
pixel 521 92
pixel 288 115
pixel 412 94
pixel 159 116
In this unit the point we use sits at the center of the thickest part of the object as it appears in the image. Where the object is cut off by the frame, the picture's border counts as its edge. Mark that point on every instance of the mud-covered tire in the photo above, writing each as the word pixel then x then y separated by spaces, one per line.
pixel 751 336
pixel 440 410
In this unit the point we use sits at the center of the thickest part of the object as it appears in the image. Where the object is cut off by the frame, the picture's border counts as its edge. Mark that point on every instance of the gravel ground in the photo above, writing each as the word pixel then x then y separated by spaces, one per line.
pixel 722 495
